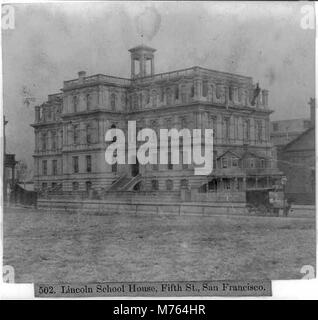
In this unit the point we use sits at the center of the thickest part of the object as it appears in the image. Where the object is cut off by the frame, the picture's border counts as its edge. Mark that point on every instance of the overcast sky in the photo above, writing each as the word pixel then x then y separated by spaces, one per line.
pixel 52 42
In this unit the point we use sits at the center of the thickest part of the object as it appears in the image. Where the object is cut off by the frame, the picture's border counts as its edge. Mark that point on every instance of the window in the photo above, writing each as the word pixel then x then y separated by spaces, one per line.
pixel 88 101
pixel 204 88
pixel 54 185
pixel 53 140
pixel 76 134
pixel 218 92
pixel 234 162
pixel 252 163
pixel 259 130
pixel 75 186
pixel 214 159
pixel 224 163
pixel 226 128
pixel 154 185
pixel 88 185
pixel 147 97
pixel 54 167
pixel 44 141
pixel 113 101
pixel 88 163
pixel 262 163
pixel 44 167
pixel 154 98
pixel 44 185
pixel 212 185
pixel 275 126
pixel 231 93
pixel 162 94
pixel 75 164
pixel 169 96
pixel 75 103
pixel 88 134
pixel 213 123
pixel 246 130
pixel 183 94
pixel 176 93
pixel 169 185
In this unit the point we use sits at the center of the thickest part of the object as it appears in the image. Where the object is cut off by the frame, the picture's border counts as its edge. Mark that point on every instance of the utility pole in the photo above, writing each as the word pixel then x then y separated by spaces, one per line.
pixel 4 160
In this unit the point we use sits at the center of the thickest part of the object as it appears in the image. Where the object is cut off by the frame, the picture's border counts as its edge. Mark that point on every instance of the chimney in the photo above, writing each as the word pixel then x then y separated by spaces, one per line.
pixel 37 114
pixel 81 76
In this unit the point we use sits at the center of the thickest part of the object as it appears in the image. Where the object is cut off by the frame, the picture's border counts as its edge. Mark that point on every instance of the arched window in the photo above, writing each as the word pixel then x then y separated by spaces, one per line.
pixel 113 99
pixel 76 133
pixel 192 91
pixel 169 185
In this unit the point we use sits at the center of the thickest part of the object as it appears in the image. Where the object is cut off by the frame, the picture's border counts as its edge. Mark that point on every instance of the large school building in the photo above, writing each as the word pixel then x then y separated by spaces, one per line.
pixel 70 132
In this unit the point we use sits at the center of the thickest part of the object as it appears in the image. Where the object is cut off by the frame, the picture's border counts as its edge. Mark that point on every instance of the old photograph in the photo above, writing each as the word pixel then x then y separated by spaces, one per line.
pixel 158 141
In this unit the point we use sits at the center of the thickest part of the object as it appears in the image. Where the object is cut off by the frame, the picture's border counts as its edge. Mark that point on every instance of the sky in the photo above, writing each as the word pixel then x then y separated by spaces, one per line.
pixel 52 42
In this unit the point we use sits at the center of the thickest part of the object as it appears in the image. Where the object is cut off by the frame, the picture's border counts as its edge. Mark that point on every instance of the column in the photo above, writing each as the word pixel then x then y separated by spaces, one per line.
pixel 132 64
pixel 152 67
pixel 226 96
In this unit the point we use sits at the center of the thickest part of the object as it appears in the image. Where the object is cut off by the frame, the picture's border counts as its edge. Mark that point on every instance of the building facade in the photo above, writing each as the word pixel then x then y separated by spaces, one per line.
pixel 297 160
pixel 70 130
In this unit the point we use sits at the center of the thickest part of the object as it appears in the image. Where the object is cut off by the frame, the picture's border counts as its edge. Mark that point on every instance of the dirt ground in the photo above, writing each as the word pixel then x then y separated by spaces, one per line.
pixel 46 246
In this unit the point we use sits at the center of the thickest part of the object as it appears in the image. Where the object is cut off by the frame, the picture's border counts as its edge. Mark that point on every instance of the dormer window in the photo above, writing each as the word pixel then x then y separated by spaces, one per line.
pixel 234 162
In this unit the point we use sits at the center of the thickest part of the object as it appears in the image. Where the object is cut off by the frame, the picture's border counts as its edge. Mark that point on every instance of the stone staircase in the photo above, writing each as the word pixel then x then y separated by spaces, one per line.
pixel 131 183
pixel 118 184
